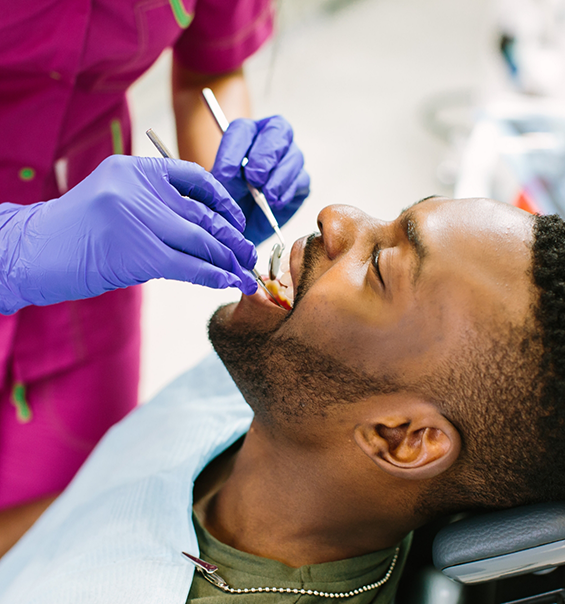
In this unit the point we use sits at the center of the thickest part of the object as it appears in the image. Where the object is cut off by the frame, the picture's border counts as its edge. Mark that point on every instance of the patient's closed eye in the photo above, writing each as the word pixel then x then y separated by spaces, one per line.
pixel 376 256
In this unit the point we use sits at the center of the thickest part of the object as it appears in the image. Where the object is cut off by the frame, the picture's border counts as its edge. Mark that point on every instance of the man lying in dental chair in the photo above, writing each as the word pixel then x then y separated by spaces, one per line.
pixel 419 373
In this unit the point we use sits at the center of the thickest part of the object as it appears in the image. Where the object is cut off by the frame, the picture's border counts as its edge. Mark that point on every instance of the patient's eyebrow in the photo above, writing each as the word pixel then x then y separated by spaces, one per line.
pixel 409 226
pixel 417 202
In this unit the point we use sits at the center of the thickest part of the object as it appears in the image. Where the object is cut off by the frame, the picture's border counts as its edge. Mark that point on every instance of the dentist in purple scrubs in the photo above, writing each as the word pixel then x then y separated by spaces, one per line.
pixel 78 229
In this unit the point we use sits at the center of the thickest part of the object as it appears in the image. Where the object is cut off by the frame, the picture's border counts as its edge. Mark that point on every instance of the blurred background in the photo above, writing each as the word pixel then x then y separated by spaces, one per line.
pixel 384 97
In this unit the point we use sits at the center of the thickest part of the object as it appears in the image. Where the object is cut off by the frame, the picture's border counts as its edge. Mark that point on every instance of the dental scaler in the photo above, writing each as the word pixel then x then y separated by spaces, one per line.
pixel 259 198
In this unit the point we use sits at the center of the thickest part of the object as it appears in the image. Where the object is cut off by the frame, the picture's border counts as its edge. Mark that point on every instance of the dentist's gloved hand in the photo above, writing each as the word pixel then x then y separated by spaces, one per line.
pixel 276 166
pixel 124 224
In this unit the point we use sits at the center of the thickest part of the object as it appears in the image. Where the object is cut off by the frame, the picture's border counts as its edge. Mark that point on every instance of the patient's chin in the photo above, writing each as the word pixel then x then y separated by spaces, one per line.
pixel 242 348
pixel 224 314
pixel 283 379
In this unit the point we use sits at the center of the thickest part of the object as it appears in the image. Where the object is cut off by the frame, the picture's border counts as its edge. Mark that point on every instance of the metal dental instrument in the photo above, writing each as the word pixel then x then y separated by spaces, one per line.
pixel 167 154
pixel 159 144
pixel 276 252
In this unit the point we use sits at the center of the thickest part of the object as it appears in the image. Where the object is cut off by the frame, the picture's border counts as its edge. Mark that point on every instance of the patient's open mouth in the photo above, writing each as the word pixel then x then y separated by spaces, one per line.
pixel 282 288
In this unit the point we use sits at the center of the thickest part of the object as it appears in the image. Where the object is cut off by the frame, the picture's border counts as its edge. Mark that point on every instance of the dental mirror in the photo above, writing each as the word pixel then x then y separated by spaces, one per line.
pixel 275 261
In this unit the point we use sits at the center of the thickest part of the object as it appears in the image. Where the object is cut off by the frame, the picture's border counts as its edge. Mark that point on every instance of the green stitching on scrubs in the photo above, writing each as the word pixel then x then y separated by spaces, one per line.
pixel 23 412
pixel 182 17
pixel 117 138
pixel 27 173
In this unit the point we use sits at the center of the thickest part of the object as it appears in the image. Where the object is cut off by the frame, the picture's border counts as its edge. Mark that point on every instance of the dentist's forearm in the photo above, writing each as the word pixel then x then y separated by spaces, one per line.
pixel 16 521
pixel 197 133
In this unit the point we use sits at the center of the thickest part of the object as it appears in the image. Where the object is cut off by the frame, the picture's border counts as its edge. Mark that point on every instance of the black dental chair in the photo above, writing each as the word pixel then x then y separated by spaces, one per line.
pixel 513 556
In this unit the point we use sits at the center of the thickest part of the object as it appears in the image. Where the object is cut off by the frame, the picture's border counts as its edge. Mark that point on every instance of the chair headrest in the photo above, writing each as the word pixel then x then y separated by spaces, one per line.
pixel 502 544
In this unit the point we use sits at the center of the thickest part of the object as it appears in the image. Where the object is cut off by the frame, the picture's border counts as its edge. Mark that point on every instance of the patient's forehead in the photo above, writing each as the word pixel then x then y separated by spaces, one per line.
pixel 478 213
pixel 480 233
pixel 484 237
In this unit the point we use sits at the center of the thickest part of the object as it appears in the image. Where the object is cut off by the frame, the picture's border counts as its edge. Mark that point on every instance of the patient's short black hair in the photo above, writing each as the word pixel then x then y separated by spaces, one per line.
pixel 506 395
pixel 548 272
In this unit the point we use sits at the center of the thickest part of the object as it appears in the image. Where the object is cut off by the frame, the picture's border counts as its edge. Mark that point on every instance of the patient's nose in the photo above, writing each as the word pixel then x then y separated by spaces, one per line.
pixel 340 225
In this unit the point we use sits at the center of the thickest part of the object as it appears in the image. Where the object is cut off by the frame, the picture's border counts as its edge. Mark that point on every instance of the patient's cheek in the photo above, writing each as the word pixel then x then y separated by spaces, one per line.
pixel 392 343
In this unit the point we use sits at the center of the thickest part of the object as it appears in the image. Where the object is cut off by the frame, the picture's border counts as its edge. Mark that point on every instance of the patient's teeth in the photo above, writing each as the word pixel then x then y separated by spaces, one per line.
pixel 285 263
pixel 286 279
pixel 283 288
pixel 288 292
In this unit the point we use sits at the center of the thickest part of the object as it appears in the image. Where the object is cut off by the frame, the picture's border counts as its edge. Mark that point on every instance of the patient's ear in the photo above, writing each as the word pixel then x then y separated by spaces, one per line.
pixel 410 439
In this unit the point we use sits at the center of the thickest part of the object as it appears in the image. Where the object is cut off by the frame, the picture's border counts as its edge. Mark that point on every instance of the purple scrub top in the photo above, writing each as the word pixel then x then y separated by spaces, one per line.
pixel 65 66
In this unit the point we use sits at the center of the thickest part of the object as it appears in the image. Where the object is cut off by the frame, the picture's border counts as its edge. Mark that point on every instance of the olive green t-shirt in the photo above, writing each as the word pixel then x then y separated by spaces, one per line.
pixel 242 570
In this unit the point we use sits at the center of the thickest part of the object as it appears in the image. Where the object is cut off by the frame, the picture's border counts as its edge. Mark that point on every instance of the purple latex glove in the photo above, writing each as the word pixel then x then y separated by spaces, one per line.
pixel 276 166
pixel 124 224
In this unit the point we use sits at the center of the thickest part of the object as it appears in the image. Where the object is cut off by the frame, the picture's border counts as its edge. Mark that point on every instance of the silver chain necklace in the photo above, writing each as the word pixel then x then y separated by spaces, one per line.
pixel 209 572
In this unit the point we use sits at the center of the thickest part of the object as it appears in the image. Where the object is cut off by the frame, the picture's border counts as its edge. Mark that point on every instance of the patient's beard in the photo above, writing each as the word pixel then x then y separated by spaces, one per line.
pixel 286 378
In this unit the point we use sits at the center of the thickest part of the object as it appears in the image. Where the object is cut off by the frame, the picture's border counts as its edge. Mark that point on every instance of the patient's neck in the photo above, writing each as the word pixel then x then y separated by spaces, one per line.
pixel 278 503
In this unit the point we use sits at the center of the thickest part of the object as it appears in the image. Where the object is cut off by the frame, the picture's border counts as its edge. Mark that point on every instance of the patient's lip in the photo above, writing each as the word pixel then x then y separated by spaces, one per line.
pixel 268 298
pixel 296 255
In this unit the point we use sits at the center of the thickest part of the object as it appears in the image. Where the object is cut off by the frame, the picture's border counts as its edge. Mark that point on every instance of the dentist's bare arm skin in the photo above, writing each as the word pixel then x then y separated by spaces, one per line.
pixel 16 521
pixel 197 133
